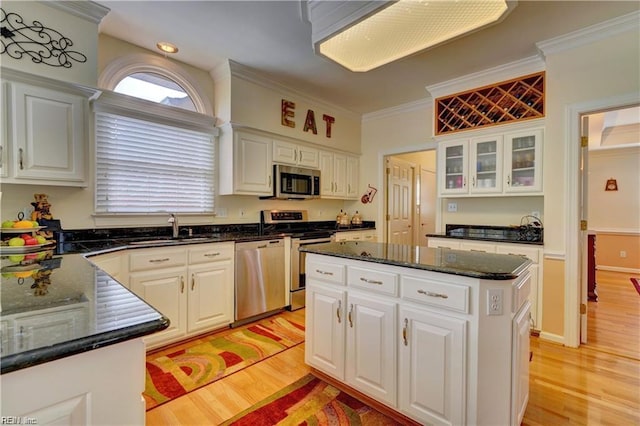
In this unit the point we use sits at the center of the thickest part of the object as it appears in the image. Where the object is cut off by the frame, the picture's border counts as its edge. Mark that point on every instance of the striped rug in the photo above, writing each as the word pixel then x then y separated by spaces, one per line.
pixel 174 374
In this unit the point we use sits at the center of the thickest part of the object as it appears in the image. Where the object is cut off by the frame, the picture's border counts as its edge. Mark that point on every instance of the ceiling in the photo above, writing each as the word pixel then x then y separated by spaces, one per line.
pixel 272 39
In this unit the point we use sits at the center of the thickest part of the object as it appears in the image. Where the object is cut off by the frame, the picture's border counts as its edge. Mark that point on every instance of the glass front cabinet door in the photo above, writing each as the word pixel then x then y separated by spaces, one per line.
pixel 454 161
pixel 486 165
pixel 523 161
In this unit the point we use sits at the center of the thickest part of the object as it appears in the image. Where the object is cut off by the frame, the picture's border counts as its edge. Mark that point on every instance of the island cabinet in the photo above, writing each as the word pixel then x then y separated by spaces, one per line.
pixel 192 286
pixel 437 348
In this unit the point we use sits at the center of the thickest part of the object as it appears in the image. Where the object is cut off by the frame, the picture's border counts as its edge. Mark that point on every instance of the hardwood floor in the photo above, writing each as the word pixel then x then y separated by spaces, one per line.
pixel 596 384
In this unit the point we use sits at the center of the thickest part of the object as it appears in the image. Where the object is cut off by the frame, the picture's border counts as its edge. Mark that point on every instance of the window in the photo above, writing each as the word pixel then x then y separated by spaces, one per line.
pixel 154 142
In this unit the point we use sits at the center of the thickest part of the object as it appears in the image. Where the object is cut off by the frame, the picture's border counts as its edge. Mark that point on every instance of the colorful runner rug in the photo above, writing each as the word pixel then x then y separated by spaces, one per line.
pixel 310 401
pixel 178 373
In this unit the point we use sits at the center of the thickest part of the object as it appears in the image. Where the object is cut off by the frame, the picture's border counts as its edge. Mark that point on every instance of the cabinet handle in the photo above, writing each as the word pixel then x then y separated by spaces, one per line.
pixel 404 332
pixel 464 182
pixel 193 282
pixel 338 311
pixel 324 272
pixel 473 181
pixel 212 254
pixel 295 155
pixel 432 294
pixel 370 281
pixel 21 163
pixel 350 319
pixel 181 284
pixel 508 179
pixel 262 246
pixel 165 259
pixel 348 187
pixel 269 181
pixel 478 251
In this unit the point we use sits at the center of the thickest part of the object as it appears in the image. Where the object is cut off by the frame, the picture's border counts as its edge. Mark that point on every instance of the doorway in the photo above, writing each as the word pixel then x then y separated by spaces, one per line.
pixel 610 207
pixel 412 202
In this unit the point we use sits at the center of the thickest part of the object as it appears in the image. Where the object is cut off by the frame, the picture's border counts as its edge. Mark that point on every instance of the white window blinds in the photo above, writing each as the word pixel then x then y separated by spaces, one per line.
pixel 146 167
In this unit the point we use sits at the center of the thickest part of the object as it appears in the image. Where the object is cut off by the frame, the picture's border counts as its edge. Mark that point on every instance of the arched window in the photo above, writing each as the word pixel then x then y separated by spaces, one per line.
pixel 155 146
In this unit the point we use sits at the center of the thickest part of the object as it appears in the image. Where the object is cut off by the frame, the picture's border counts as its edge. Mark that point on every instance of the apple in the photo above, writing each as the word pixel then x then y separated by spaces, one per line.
pixel 35 223
pixel 16 242
pixel 31 256
pixel 26 236
pixel 30 241
pixel 16 258
pixel 41 239
pixel 7 224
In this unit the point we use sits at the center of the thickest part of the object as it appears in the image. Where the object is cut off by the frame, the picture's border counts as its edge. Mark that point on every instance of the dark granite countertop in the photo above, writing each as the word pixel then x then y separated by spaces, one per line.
pixel 54 306
pixel 500 234
pixel 457 262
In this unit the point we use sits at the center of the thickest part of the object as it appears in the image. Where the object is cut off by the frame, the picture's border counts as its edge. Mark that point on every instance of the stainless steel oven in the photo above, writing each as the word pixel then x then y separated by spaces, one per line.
pixel 298 275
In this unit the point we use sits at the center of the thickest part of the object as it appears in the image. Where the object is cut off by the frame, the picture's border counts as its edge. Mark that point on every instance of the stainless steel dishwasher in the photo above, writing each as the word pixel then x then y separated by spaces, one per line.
pixel 259 279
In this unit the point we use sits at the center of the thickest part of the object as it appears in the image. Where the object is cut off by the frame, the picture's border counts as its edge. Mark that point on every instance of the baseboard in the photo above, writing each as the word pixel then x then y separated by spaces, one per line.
pixel 618 269
pixel 555 338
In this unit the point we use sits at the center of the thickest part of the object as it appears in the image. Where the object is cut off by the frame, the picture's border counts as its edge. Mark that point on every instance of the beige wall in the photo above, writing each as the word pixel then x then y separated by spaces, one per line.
pixel 610 256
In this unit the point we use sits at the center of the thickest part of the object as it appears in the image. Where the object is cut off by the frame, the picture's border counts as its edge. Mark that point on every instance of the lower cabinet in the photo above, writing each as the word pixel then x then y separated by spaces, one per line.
pixel 369 235
pixel 420 342
pixel 194 290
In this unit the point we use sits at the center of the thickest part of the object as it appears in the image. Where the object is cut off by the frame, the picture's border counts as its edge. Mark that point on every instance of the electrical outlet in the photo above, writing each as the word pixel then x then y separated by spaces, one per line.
pixel 221 212
pixel 452 207
pixel 494 301
pixel 535 213
pixel 623 253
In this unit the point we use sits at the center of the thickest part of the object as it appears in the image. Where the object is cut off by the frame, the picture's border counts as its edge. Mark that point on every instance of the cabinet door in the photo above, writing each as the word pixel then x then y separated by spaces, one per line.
pixel 327 183
pixel 165 290
pixel 453 164
pixel 520 365
pixel 325 325
pixel 371 347
pixel 50 327
pixel 48 134
pixel 210 300
pixel 252 165
pixel 485 167
pixel 308 157
pixel 432 367
pixel 477 246
pixel 523 161
pixel 353 178
pixel 340 175
pixel 284 152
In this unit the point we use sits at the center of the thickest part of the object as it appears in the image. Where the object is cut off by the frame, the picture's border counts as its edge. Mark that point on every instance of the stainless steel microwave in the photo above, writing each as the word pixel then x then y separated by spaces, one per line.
pixel 295 183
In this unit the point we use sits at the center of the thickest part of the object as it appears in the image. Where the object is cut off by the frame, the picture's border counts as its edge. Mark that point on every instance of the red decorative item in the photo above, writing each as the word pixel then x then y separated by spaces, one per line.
pixel 367 197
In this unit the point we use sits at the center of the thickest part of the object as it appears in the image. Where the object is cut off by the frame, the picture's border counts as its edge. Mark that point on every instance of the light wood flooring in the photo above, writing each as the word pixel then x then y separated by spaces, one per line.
pixel 596 384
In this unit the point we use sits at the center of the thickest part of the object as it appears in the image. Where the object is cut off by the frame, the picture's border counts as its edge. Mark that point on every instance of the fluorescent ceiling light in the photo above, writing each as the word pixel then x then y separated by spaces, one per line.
pixel 406 27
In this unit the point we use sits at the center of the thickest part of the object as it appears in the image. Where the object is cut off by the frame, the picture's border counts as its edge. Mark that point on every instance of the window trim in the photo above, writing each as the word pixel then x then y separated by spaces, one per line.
pixel 124 66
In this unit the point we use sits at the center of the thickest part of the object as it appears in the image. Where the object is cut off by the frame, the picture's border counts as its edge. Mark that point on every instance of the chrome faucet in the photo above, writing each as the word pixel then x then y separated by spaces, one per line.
pixel 173 220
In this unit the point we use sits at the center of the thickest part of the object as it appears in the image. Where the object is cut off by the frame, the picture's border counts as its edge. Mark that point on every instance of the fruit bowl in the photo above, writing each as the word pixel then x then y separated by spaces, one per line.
pixel 20 230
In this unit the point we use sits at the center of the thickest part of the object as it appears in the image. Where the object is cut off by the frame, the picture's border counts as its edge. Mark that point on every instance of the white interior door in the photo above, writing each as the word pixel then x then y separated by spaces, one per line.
pixel 426 223
pixel 399 201
pixel 584 234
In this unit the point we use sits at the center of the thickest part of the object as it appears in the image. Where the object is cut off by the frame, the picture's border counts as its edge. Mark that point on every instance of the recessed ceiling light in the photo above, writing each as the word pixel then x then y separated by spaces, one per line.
pixel 167 47
pixel 405 27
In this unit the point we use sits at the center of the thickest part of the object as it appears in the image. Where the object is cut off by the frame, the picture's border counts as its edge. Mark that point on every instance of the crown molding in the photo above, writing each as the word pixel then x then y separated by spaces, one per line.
pixel 248 74
pixel 398 109
pixel 503 72
pixel 588 35
pixel 87 10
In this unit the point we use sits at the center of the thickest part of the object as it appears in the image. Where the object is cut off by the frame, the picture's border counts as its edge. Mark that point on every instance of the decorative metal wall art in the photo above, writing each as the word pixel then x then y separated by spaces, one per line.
pixel 43 45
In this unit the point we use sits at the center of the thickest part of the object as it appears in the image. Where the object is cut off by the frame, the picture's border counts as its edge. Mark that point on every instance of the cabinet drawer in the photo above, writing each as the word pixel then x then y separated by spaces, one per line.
pixel 205 253
pixel 331 272
pixel 378 281
pixel 442 243
pixel 531 253
pixel 521 291
pixel 430 292
pixel 142 260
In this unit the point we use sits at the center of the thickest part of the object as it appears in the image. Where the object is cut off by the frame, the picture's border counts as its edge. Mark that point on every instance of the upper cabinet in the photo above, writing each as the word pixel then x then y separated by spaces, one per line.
pixel 246 164
pixel 46 135
pixel 497 164
pixel 296 155
pixel 339 175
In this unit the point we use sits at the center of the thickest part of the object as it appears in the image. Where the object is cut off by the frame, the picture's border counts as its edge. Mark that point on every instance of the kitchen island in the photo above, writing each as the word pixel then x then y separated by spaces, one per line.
pixel 72 349
pixel 438 335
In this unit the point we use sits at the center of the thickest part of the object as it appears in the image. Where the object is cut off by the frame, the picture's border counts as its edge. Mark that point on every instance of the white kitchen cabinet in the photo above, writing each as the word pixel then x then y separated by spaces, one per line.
pixel 245 164
pixel 190 285
pixel 295 155
pixel 370 352
pixel 433 347
pixel 369 235
pixel 521 355
pixel 491 165
pixel 534 253
pixel 523 161
pixel 339 175
pixel 420 342
pixel 4 150
pixel 114 264
pixel 46 135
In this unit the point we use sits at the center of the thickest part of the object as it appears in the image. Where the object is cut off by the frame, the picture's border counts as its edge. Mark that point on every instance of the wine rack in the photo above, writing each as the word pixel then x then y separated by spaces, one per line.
pixel 505 102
